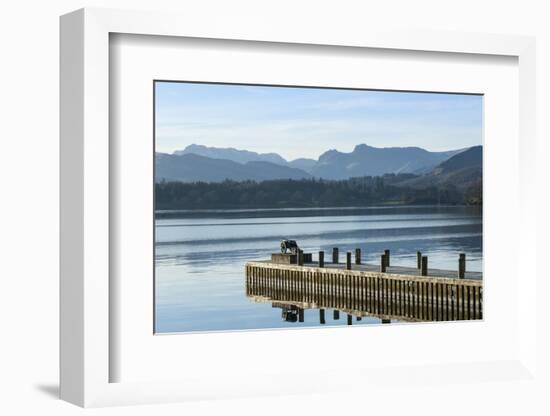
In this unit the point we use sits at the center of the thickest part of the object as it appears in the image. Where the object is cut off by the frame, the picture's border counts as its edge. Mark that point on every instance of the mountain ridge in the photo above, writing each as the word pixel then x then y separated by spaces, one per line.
pixel 367 160
pixel 363 160
pixel 211 164
pixel 463 172
pixel 230 153
pixel 190 167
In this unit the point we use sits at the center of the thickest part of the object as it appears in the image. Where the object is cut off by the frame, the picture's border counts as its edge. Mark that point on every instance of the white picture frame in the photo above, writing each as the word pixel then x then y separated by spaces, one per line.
pixel 86 355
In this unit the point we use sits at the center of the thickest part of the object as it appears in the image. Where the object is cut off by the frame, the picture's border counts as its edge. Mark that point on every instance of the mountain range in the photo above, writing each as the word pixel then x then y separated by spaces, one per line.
pixel 211 164
pixel 235 155
pixel 372 161
pixel 190 167
pixel 462 171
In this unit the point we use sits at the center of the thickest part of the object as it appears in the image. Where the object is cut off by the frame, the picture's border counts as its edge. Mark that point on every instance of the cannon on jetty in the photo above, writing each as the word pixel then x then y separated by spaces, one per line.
pixel 289 246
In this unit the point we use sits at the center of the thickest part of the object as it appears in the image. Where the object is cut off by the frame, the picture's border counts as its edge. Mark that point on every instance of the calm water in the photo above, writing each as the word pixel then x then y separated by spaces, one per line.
pixel 200 255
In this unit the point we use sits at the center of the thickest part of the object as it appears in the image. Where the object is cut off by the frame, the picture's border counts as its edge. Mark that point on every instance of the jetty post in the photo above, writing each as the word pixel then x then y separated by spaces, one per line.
pixel 300 257
pixel 348 260
pixel 461 265
pixel 424 269
pixel 322 316
pixel 335 255
pixel 387 254
pixel 301 315
pixel 350 319
pixel 418 260
pixel 336 314
pixel 321 259
pixel 383 263
pixel 357 256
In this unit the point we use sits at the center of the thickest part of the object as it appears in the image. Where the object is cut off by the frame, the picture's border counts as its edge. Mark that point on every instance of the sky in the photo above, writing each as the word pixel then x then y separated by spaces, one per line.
pixel 306 122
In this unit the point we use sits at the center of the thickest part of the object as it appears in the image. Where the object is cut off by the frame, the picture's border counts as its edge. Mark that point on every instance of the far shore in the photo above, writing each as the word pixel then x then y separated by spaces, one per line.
pixel 343 210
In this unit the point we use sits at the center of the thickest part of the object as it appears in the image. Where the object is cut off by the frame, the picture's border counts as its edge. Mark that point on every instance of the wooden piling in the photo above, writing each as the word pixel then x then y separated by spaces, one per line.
pixel 300 315
pixel 418 260
pixel 335 255
pixel 348 260
pixel 387 254
pixel 383 263
pixel 322 316
pixel 336 314
pixel 424 268
pixel 461 265
pixel 300 257
pixel 321 259
pixel 350 319
pixel 357 256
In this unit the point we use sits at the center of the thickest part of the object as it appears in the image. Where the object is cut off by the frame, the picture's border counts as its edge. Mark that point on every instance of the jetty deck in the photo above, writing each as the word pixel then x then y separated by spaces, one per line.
pixel 359 290
pixel 399 270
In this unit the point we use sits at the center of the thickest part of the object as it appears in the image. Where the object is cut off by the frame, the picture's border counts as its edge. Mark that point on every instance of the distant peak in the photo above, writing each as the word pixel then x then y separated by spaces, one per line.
pixel 362 147
pixel 195 146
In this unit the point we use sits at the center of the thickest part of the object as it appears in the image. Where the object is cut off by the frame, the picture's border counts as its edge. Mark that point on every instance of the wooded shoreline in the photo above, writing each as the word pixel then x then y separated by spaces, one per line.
pixel 313 193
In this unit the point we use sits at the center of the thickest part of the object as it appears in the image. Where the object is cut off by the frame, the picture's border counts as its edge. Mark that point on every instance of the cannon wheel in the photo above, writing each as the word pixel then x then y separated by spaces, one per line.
pixel 283 249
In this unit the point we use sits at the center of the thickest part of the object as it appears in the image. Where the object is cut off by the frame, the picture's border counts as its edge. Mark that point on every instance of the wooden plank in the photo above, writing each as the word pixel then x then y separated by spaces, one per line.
pixel 474 303
pixel 400 275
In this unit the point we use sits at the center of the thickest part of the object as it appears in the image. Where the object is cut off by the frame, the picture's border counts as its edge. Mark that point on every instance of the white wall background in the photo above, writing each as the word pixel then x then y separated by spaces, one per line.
pixel 29 56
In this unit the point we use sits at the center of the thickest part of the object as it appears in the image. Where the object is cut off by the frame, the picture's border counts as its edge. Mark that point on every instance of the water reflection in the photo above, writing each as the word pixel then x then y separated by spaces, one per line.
pixel 200 256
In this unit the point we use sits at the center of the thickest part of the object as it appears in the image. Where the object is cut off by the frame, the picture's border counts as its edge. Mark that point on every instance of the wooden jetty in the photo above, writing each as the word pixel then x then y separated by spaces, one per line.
pixel 383 291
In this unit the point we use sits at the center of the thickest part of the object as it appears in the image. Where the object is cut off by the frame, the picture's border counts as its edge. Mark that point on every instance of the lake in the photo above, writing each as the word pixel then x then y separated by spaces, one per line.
pixel 200 255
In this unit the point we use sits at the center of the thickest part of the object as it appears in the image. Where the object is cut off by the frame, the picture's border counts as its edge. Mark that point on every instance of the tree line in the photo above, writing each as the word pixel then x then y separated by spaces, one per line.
pixel 306 193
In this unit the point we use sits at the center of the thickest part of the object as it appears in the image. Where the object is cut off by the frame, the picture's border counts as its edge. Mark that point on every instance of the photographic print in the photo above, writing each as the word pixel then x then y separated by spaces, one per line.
pixel 292 207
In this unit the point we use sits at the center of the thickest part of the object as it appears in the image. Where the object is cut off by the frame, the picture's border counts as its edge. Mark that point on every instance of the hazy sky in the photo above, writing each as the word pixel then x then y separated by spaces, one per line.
pixel 305 122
